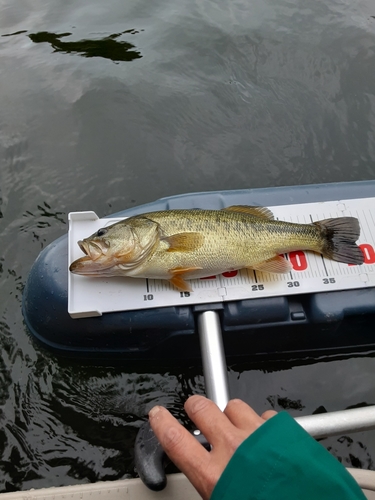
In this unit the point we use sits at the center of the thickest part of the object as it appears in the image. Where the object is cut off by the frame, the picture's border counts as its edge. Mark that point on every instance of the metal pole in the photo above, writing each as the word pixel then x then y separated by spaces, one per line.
pixel 216 382
pixel 213 358
pixel 339 422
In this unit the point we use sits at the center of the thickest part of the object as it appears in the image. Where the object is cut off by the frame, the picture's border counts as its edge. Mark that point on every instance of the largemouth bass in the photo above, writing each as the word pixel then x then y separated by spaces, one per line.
pixel 178 245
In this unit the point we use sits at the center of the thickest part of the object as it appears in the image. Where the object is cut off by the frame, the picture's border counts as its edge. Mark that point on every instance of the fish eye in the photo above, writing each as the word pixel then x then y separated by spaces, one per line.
pixel 102 231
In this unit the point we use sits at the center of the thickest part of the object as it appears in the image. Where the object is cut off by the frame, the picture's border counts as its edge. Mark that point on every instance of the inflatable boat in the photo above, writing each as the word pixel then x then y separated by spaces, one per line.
pixel 132 489
pixel 321 307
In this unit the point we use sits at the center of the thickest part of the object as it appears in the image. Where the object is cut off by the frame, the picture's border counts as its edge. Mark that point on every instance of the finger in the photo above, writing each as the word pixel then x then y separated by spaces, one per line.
pixel 181 447
pixel 268 414
pixel 209 419
pixel 243 416
pixel 174 438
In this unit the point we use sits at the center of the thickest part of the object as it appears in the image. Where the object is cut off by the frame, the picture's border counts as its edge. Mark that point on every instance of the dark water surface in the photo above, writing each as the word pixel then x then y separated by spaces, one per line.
pixel 109 105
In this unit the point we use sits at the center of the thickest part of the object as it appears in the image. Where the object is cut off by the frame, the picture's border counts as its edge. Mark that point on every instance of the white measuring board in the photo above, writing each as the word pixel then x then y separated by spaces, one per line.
pixel 89 296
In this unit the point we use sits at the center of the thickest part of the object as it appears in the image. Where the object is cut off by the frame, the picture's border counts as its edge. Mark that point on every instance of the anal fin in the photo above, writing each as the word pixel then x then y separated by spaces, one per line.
pixel 277 265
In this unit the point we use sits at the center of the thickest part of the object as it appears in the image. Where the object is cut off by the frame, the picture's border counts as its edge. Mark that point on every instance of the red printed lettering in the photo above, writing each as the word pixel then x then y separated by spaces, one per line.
pixel 227 274
pixel 230 274
pixel 298 260
pixel 368 253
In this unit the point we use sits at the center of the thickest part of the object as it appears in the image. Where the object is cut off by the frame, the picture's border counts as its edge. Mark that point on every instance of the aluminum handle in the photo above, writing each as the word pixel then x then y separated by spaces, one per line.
pixel 216 381
pixel 213 358
pixel 339 422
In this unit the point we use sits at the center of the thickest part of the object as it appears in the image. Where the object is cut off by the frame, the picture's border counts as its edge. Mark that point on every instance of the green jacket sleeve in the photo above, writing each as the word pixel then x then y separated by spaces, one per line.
pixel 281 461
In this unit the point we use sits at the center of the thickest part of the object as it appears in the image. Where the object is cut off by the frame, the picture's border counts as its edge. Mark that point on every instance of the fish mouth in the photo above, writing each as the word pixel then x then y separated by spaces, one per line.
pixel 95 262
pixel 91 249
pixel 98 263
pixel 85 266
pixel 82 245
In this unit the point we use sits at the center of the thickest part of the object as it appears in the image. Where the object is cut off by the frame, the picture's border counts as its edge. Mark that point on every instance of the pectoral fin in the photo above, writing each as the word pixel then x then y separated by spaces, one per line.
pixel 262 212
pixel 177 279
pixel 275 265
pixel 184 242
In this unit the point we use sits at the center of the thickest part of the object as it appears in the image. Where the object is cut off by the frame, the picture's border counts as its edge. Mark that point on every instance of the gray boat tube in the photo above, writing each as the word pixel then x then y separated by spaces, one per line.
pixel 284 327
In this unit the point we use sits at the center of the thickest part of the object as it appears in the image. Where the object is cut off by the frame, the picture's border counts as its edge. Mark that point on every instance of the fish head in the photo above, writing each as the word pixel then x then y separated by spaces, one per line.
pixel 116 249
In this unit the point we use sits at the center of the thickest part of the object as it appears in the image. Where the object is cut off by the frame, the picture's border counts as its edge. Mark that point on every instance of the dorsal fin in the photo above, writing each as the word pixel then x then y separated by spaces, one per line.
pixel 262 212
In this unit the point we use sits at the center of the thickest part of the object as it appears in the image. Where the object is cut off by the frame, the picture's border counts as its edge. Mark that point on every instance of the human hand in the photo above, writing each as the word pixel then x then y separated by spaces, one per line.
pixel 225 431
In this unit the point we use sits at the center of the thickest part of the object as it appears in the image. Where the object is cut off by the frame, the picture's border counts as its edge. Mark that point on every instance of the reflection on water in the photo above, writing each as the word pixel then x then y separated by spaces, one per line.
pixel 66 424
pixel 108 47
pixel 74 425
pixel 15 33
pixel 222 95
pixel 40 219
pixel 351 452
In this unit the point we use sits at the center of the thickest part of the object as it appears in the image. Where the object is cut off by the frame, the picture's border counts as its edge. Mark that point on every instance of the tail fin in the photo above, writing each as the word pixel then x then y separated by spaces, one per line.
pixel 340 235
